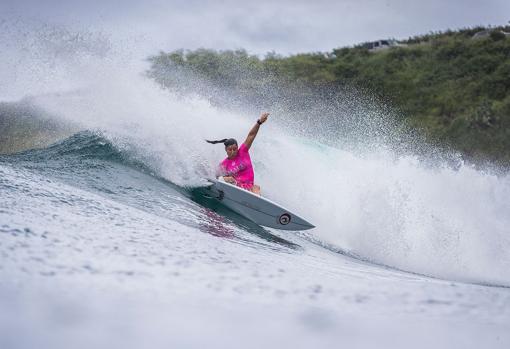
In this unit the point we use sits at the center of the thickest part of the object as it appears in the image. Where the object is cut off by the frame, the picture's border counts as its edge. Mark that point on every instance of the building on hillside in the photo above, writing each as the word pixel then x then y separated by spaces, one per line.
pixel 486 33
pixel 381 45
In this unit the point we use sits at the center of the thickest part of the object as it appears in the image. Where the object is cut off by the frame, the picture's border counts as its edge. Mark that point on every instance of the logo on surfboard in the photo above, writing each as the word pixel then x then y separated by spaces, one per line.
pixel 284 219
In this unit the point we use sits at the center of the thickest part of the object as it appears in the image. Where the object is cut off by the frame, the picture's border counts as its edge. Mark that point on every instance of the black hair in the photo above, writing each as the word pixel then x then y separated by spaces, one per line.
pixel 226 141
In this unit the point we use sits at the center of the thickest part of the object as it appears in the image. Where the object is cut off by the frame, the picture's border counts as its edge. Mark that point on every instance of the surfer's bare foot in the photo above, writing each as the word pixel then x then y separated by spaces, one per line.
pixel 255 189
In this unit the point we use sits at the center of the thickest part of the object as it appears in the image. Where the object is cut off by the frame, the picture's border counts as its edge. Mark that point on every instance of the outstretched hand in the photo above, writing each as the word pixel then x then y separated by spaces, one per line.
pixel 263 117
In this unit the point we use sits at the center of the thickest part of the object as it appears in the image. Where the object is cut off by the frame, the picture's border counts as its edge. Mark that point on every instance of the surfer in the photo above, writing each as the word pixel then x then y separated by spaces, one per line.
pixel 237 168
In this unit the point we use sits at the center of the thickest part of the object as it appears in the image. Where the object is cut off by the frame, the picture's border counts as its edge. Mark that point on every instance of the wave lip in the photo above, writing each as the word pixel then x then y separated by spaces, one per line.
pixel 91 145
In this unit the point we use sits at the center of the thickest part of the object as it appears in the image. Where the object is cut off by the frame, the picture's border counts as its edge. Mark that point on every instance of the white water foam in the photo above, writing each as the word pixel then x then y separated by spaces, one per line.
pixel 449 223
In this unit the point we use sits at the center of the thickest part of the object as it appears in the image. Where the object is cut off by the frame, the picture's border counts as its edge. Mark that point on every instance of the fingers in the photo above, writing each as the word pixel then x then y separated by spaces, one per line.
pixel 263 116
pixel 229 179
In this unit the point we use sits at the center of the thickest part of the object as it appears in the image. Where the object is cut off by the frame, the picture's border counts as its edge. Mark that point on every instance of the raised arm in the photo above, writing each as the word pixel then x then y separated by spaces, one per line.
pixel 255 129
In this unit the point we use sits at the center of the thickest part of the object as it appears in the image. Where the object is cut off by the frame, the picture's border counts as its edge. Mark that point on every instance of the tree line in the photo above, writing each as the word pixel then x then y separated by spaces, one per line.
pixel 454 86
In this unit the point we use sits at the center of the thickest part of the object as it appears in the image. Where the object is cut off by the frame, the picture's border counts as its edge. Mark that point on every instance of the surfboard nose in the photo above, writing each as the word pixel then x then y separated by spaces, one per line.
pixel 293 222
pixel 309 225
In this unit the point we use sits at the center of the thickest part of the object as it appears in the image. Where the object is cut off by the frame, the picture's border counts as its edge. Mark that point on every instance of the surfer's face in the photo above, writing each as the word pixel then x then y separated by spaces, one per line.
pixel 231 151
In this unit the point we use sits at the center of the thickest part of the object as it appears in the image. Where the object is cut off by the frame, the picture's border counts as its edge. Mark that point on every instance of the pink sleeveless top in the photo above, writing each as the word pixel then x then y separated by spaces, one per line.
pixel 240 168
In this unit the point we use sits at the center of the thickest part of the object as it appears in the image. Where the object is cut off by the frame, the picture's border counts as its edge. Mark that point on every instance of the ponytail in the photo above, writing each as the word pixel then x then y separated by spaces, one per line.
pixel 226 141
pixel 216 142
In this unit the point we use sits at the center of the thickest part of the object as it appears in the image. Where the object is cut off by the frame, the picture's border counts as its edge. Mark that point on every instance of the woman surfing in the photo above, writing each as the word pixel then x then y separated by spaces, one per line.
pixel 237 168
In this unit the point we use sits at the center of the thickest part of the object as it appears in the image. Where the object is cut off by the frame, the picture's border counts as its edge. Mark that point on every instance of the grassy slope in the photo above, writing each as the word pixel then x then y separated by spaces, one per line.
pixel 453 87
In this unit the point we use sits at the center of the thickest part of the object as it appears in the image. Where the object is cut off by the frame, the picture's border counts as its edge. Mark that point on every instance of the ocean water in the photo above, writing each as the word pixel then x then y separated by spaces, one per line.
pixel 104 241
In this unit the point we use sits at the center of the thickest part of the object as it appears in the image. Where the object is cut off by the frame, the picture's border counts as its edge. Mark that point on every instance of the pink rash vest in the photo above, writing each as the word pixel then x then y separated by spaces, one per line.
pixel 240 168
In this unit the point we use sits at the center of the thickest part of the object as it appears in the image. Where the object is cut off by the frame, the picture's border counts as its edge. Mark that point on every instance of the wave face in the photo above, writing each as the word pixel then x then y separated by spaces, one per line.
pixel 112 206
pixel 442 222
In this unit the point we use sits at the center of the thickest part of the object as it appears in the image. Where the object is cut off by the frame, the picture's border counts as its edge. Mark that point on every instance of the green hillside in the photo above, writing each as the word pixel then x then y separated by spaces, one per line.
pixel 453 86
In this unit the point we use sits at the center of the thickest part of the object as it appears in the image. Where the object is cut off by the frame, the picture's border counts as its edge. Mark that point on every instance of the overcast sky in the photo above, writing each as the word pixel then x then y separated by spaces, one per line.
pixel 259 26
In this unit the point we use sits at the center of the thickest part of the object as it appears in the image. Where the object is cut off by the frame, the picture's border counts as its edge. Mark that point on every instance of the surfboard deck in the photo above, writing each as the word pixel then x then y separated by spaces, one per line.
pixel 256 208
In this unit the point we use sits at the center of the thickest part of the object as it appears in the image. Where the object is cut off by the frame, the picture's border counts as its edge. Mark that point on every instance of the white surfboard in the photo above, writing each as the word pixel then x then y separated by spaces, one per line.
pixel 256 208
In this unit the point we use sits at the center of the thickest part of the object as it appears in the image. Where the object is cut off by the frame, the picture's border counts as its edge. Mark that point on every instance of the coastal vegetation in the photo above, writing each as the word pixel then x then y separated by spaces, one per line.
pixel 453 86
